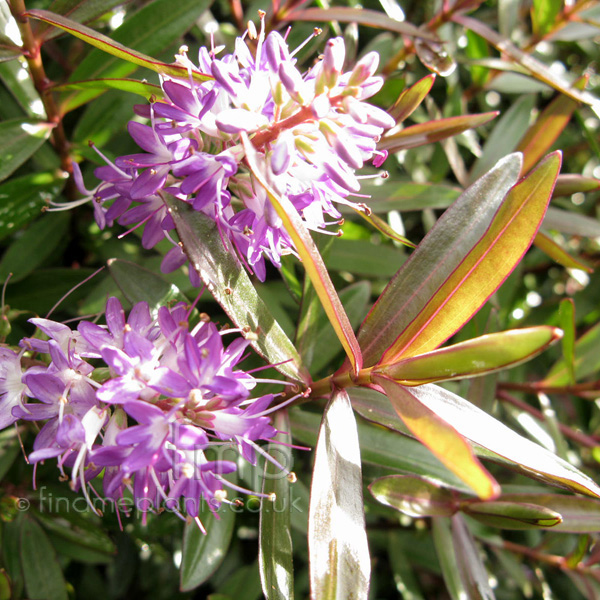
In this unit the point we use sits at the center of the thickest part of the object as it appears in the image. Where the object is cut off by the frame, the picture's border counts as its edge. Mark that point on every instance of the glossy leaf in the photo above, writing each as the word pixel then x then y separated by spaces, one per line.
pixel 570 183
pixel 19 139
pixel 566 315
pixel 490 434
pixel 110 46
pixel 440 437
pixel 578 515
pixel 549 247
pixel 538 69
pixel 361 16
pixel 229 283
pixel 538 139
pixel 364 258
pixel 382 226
pixel 22 199
pixel 484 267
pixel 513 515
pixel 139 284
pixel 474 357
pixel 204 552
pixel 503 139
pixel 312 260
pixel 543 15
pixel 471 569
pixel 413 496
pixel 338 551
pixel 432 131
pixel 275 547
pixel 43 576
pixel 444 547
pixel 410 99
pixel 587 359
pixel 434 55
pixel 438 255
pixel 382 447
pixel 133 86
pixel 35 245
pixel 570 222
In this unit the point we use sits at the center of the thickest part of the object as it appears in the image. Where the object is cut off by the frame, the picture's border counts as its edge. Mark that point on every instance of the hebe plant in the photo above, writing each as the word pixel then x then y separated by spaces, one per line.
pixel 264 325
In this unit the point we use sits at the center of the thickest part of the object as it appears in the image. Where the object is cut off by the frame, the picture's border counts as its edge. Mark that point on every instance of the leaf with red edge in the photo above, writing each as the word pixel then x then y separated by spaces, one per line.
pixel 475 357
pixel 440 437
pixel 379 224
pixel 438 255
pixel 432 131
pixel 539 138
pixel 571 183
pixel 549 247
pixel 109 46
pixel 411 98
pixel 337 540
pixel 361 16
pixel 133 86
pixel 312 260
pixel 483 268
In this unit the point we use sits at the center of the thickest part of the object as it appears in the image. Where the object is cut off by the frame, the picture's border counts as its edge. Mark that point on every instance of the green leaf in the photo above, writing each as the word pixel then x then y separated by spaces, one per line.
pixel 440 436
pixel 11 553
pixel 444 547
pixel 384 228
pixel 410 98
pixel 569 183
pixel 512 515
pixel 365 258
pixel 539 138
pixel 578 515
pixel 413 496
pixel 491 435
pixel 382 447
pixel 139 284
pixel 22 89
pixel 312 260
pixel 19 139
pixel 566 316
pixel 504 137
pixel 340 566
pixel 117 49
pixel 484 267
pixel 133 86
pixel 22 199
pixel 438 255
pixel 432 131
pixel 361 16
pixel 229 283
pixel 275 548
pixel 474 357
pixel 543 15
pixel 549 247
pixel 43 576
pixel 569 222
pixel 9 449
pixel 587 360
pixel 36 244
pixel 204 552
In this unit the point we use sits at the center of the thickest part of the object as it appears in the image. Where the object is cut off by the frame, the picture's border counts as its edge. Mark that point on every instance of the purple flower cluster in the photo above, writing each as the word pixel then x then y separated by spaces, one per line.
pixel 145 400
pixel 311 132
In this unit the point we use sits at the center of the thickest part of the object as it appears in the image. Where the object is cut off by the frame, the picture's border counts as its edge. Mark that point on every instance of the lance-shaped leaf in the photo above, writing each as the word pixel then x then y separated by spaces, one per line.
pixel 312 260
pixel 109 46
pixel 483 267
pixel 362 16
pixel 439 254
pixel 547 127
pixel 491 435
pixel 538 69
pixel 567 221
pixel 275 548
pixel 571 183
pixel 512 515
pixel 440 437
pixel 133 86
pixel 566 315
pixel 214 260
pixel 549 247
pixel 379 224
pixel 337 540
pixel 432 131
pixel 578 515
pixel 410 99
pixel 19 139
pixel 474 357
pixel 203 552
pixel 414 496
